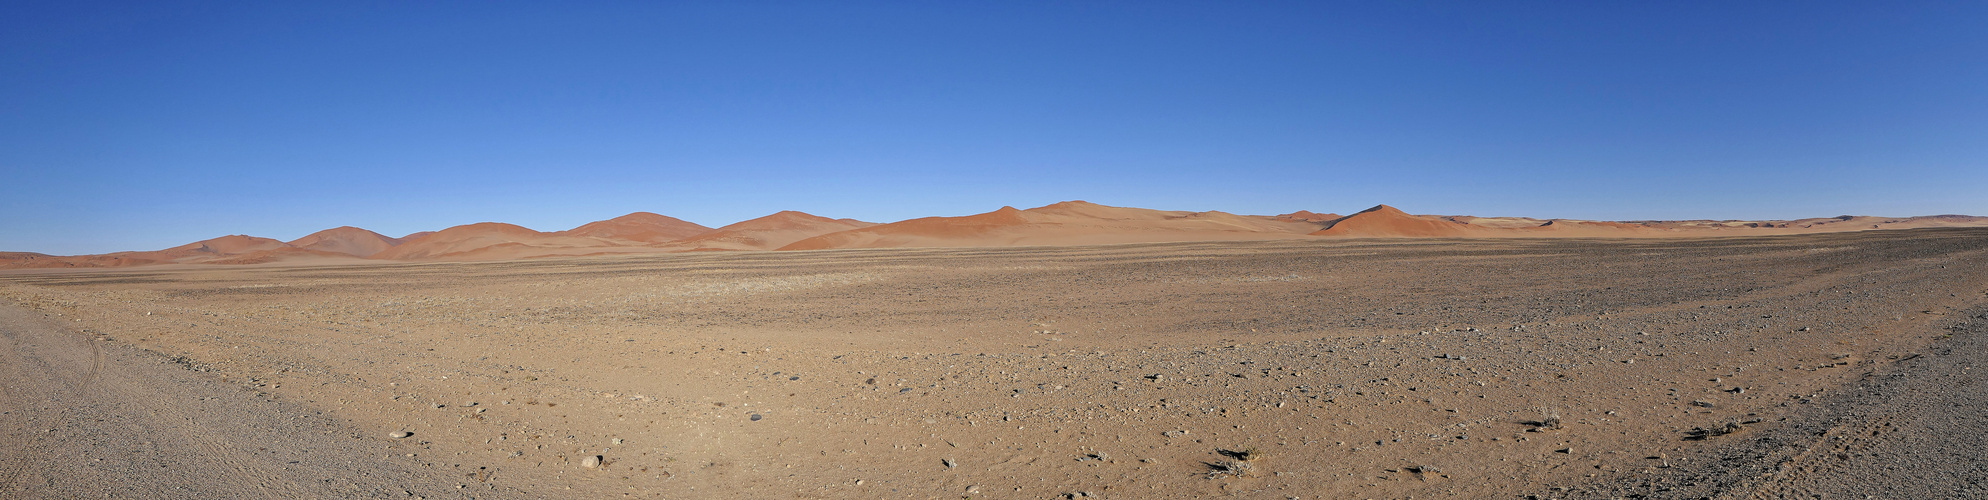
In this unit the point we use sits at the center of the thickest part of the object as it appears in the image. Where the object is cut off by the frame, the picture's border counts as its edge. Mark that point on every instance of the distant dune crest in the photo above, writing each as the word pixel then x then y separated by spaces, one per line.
pixel 1066 223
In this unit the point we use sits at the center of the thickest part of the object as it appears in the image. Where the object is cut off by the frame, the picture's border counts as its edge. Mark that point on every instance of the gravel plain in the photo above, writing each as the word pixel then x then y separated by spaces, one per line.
pixel 1577 368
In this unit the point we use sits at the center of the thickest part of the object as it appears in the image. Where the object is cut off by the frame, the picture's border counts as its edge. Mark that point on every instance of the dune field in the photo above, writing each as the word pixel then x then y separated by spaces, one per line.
pixel 1066 223
pixel 1294 366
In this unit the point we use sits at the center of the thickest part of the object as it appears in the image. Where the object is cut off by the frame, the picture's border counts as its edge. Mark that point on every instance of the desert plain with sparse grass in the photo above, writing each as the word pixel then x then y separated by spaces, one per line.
pixel 1771 366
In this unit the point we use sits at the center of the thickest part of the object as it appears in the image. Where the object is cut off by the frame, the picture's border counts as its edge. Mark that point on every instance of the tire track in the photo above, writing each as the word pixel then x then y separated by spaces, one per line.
pixel 33 419
pixel 86 419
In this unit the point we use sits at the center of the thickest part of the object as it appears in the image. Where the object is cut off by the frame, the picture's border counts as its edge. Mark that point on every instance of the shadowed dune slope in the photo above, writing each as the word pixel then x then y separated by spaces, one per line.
pixel 1309 216
pixel 346 240
pixel 1384 221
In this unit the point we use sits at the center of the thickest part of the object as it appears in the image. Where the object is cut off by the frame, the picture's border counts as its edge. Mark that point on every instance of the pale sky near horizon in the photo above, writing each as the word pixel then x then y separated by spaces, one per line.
pixel 145 125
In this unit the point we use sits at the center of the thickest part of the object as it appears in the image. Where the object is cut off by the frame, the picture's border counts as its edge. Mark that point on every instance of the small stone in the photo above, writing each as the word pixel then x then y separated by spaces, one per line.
pixel 616 441
pixel 755 417
pixel 971 490
pixel 591 462
pixel 949 463
pixel 399 434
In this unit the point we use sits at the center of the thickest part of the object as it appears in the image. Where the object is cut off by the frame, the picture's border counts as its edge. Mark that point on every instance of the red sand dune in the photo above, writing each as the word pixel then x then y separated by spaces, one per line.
pixel 225 245
pixel 1384 221
pixel 1310 216
pixel 345 240
pixel 1066 223
pixel 19 260
pixel 641 227
pixel 466 238
pixel 769 232
pixel 292 255
pixel 192 253
pixel 205 250
pixel 414 236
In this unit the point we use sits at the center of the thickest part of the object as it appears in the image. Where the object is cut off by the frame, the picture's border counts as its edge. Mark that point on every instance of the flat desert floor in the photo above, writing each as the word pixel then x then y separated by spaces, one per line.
pixel 1836 365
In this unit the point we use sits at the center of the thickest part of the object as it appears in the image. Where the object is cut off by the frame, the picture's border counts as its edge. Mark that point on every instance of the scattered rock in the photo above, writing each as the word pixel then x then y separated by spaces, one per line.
pixel 591 462
pixel 399 434
pixel 1703 433
pixel 755 417
pixel 949 463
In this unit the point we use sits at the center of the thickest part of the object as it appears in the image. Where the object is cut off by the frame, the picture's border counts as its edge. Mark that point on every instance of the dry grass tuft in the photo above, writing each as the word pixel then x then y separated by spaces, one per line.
pixel 1232 468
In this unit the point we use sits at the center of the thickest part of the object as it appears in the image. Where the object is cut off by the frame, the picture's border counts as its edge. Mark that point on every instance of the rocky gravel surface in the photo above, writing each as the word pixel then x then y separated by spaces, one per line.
pixel 1283 369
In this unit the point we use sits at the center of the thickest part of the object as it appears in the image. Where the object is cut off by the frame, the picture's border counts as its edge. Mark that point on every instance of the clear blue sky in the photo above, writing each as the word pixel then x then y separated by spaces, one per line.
pixel 144 125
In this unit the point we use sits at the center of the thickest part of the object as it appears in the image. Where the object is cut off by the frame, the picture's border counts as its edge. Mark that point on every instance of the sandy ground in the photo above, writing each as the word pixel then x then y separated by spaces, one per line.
pixel 1734 367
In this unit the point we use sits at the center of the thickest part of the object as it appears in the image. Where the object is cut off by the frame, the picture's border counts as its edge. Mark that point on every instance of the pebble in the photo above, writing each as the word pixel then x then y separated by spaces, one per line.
pixel 399 434
pixel 949 463
pixel 590 462
pixel 756 417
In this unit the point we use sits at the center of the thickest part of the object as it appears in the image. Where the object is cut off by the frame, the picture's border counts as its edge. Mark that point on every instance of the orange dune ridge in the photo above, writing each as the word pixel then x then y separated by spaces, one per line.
pixel 769 232
pixel 642 227
pixel 494 241
pixel 1066 223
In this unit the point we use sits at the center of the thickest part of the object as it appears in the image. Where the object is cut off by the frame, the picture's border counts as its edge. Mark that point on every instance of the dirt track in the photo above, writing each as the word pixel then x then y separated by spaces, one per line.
pixel 90 419
pixel 1382 369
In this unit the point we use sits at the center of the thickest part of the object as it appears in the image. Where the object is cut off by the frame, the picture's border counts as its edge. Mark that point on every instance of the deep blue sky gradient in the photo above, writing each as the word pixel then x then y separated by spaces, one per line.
pixel 144 125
